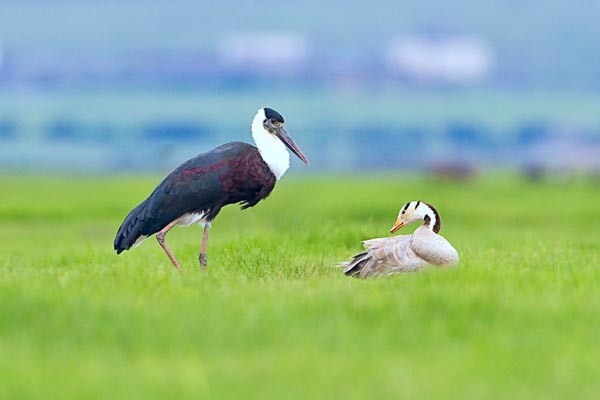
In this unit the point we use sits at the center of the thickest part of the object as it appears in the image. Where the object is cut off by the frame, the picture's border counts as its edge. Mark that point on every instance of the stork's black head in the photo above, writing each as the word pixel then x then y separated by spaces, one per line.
pixel 273 115
pixel 273 120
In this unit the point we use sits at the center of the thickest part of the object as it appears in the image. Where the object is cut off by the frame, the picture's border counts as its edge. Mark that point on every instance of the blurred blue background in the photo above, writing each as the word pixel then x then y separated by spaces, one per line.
pixel 452 87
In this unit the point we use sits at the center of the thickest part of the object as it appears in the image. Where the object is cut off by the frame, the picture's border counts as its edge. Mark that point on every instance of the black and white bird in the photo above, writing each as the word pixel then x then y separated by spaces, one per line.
pixel 197 190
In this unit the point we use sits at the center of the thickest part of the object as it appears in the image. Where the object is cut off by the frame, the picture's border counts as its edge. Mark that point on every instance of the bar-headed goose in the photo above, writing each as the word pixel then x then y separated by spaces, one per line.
pixel 405 253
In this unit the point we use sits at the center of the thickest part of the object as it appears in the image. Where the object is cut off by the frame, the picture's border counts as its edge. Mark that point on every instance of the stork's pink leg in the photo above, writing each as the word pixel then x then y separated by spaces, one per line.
pixel 160 236
pixel 202 256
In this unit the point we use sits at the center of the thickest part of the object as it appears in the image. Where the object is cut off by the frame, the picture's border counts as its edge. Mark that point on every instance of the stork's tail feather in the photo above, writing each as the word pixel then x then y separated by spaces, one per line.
pixel 132 229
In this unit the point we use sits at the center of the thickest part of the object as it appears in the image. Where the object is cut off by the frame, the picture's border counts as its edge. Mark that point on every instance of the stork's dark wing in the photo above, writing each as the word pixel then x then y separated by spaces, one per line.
pixel 205 183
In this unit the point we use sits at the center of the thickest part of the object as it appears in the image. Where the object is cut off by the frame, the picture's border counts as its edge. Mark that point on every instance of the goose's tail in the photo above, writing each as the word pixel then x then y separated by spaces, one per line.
pixel 356 266
pixel 365 264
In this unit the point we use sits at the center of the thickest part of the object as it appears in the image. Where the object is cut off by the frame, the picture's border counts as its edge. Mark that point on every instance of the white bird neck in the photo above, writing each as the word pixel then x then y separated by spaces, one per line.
pixel 431 217
pixel 425 212
pixel 271 149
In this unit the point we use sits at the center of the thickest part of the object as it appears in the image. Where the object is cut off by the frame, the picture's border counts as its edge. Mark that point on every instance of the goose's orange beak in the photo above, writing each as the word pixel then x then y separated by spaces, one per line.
pixel 399 224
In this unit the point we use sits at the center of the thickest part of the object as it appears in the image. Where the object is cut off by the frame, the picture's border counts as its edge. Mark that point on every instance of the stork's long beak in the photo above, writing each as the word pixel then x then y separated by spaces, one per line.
pixel 284 137
pixel 399 224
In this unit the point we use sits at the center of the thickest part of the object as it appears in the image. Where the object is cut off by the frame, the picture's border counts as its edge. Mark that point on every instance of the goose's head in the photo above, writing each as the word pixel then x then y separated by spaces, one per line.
pixel 418 211
pixel 272 140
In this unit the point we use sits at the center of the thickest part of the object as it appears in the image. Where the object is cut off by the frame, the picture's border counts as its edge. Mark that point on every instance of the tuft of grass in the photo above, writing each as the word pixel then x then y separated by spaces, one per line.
pixel 273 317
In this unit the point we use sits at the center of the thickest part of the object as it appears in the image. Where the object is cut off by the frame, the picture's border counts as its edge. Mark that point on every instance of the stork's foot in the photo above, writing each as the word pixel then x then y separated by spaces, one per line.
pixel 202 259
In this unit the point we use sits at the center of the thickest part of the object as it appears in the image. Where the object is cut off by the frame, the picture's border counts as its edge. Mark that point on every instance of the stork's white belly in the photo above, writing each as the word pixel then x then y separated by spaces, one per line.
pixel 185 220
pixel 191 218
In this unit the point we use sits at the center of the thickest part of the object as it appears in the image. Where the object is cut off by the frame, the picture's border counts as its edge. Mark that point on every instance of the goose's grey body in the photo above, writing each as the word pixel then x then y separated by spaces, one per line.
pixel 404 253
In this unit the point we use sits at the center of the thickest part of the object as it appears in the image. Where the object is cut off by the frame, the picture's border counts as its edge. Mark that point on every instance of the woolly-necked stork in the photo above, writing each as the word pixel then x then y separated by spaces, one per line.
pixel 197 190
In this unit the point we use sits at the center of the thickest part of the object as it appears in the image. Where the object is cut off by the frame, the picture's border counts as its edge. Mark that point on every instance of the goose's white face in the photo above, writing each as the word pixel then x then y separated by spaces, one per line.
pixel 409 213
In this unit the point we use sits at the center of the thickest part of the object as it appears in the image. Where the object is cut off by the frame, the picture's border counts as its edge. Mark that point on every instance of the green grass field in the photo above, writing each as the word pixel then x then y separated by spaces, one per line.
pixel 519 318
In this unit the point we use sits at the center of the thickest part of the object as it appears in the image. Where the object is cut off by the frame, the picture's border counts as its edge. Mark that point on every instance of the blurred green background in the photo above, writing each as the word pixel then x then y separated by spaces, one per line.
pixel 416 86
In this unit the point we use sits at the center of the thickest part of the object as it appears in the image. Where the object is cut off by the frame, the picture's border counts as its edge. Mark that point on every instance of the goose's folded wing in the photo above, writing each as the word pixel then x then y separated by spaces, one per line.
pixel 383 256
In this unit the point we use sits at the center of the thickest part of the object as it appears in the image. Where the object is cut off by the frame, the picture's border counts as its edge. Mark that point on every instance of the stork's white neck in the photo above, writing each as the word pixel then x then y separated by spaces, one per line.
pixel 271 149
